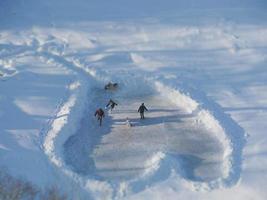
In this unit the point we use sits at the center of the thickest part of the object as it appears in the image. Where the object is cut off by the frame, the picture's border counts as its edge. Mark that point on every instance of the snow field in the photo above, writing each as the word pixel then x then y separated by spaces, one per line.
pixel 57 125
pixel 156 161
pixel 197 80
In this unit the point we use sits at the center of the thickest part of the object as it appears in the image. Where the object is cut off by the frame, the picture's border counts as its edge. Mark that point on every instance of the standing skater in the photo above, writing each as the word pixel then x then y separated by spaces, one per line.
pixel 111 104
pixel 141 110
pixel 99 113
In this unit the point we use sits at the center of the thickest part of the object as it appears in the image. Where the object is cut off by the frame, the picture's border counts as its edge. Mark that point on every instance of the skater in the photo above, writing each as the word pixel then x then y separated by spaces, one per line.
pixel 111 104
pixel 141 110
pixel 99 113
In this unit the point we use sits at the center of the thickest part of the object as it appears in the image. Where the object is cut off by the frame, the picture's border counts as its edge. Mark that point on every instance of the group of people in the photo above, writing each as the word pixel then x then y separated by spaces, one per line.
pixel 100 114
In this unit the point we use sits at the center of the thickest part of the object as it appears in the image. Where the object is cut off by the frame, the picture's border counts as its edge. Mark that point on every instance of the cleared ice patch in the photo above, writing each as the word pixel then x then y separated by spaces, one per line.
pixel 129 153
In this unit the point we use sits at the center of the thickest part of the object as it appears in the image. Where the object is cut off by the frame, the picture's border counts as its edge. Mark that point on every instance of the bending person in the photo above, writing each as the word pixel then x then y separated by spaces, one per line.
pixel 111 104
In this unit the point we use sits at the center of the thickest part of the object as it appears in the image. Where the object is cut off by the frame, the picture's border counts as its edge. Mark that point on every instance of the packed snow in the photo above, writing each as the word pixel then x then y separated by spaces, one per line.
pixel 198 66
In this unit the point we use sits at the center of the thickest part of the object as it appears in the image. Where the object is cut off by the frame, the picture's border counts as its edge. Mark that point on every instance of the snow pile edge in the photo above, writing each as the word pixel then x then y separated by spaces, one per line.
pixel 207 118
pixel 62 127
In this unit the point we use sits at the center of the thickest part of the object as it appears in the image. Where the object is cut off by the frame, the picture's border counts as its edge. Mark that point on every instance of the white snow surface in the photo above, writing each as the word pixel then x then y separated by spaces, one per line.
pixel 199 67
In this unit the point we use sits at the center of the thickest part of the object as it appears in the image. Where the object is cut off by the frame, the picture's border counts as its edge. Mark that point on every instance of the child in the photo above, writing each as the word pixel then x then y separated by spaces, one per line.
pixel 99 113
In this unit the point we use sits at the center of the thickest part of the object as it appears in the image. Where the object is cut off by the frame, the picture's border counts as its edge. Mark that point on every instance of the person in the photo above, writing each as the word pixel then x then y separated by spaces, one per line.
pixel 111 104
pixel 99 113
pixel 141 110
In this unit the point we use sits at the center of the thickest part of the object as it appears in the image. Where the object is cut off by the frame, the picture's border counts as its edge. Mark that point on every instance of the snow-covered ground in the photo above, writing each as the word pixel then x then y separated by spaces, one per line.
pixel 200 67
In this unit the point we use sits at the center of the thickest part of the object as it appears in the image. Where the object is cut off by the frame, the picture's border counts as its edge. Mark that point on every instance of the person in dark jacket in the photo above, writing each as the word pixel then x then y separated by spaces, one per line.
pixel 111 104
pixel 99 113
pixel 141 110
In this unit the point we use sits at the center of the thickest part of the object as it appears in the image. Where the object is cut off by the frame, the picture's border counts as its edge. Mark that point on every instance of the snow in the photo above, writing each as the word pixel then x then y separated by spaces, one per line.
pixel 199 67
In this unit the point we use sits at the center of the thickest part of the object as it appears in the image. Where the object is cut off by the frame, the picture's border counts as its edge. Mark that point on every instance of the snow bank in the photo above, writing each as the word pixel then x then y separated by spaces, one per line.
pixel 64 125
pixel 153 164
pixel 181 100
pixel 217 127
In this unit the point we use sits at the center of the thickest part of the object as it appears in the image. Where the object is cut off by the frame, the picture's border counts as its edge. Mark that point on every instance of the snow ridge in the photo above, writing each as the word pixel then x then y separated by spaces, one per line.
pixel 230 134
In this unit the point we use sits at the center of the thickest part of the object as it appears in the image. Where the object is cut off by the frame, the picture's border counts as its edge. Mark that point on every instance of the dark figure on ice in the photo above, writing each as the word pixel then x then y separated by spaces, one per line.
pixel 111 104
pixel 141 110
pixel 99 113
pixel 111 86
